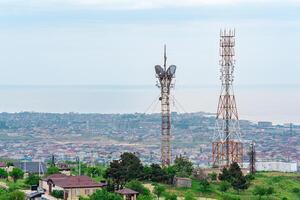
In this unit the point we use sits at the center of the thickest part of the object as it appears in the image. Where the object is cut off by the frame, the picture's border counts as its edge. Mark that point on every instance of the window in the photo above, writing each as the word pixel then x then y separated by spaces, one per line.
pixel 86 191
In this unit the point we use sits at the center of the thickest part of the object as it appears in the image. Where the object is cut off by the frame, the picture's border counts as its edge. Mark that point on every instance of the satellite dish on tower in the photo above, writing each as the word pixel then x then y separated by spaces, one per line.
pixel 159 70
pixel 171 70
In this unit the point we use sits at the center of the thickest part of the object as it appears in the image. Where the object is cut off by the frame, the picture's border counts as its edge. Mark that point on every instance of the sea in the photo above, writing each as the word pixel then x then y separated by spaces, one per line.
pixel 278 104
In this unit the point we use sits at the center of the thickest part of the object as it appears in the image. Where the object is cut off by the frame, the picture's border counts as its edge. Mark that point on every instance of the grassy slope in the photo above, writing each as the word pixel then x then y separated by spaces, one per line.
pixel 283 184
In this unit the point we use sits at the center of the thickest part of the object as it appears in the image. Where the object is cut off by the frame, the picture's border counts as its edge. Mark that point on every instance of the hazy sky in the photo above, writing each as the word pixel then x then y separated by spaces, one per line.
pixel 53 42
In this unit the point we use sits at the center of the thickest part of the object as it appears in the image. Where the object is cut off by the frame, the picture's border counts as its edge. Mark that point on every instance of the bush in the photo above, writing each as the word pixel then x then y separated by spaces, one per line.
pixel 32 179
pixel 204 186
pixel 224 186
pixel 296 190
pixel 213 176
pixel 261 191
pixel 189 196
pixel 103 194
pixel 169 196
pixel 3 173
pixel 229 197
pixel 59 194
pixel 138 186
pixel 16 174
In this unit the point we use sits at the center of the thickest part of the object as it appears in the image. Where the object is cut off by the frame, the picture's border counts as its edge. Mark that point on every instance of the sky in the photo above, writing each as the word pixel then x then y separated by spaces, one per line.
pixel 118 42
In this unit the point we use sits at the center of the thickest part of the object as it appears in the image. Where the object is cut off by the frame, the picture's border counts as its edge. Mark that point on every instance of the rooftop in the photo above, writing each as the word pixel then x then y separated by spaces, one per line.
pixel 65 181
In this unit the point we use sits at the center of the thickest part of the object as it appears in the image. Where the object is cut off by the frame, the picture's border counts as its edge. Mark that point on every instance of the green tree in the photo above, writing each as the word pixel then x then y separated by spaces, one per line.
pixel 128 168
pixel 138 186
pixel 155 173
pixel 93 171
pixel 234 176
pixel 52 170
pixel 189 196
pixel 32 179
pixel 16 174
pixel 3 173
pixel 104 195
pixel 158 190
pixel 183 167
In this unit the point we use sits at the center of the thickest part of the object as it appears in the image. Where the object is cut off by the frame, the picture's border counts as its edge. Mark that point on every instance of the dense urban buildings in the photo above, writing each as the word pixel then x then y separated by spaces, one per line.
pixel 103 137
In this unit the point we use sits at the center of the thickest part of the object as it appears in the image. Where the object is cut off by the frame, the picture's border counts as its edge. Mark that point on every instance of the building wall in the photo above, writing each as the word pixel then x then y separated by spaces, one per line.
pixel 275 166
pixel 74 193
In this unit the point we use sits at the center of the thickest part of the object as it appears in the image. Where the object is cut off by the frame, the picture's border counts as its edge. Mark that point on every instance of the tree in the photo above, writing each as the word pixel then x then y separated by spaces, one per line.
pixel 132 166
pixel 128 168
pixel 52 170
pixel 16 174
pixel 94 171
pixel 155 173
pixel 234 176
pixel 104 195
pixel 189 196
pixel 32 179
pixel 224 186
pixel 158 190
pixel 3 173
pixel 183 167
pixel 138 186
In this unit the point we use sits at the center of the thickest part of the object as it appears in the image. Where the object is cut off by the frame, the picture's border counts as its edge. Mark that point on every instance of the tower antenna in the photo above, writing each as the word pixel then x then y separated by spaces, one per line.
pixel 165 77
pixel 227 146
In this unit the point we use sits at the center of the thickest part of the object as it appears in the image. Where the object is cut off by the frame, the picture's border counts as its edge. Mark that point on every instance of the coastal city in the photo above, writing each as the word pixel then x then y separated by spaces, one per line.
pixel 101 138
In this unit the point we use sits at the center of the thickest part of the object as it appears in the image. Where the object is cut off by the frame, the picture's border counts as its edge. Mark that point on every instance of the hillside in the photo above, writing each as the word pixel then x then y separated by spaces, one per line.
pixel 285 186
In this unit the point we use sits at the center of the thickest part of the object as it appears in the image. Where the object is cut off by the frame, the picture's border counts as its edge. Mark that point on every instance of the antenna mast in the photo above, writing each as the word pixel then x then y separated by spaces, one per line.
pixel 227 147
pixel 165 77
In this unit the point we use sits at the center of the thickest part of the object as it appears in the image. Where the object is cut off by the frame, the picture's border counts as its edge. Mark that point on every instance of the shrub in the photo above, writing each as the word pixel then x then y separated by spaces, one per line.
pixel 59 194
pixel 138 186
pixel 224 186
pixel 213 176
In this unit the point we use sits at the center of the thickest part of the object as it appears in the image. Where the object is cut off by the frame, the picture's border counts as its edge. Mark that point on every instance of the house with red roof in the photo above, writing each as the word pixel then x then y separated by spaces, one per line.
pixel 72 186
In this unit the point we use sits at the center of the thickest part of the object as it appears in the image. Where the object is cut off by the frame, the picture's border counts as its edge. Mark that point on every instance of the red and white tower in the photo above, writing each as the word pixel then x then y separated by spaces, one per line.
pixel 227 146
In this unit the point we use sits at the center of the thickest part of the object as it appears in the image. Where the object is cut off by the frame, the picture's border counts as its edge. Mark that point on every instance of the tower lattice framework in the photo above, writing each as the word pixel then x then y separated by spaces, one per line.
pixel 165 76
pixel 227 146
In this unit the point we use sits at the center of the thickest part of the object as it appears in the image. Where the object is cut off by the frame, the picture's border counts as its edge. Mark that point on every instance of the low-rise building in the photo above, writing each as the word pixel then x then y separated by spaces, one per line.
pixel 72 186
pixel 127 194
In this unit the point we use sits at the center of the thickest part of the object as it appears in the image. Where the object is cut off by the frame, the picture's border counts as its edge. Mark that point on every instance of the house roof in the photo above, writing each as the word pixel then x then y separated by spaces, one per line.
pixel 2 164
pixel 65 181
pixel 126 191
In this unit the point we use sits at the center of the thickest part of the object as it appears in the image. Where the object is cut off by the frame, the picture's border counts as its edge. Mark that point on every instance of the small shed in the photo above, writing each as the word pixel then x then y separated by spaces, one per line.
pixel 182 182
pixel 127 194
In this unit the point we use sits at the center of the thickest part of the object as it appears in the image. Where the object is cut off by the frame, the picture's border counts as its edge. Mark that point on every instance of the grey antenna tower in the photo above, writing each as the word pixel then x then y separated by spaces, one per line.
pixel 165 76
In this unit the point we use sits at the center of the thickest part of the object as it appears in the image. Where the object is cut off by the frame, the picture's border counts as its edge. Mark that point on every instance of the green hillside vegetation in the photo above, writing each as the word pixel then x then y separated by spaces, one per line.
pixel 265 185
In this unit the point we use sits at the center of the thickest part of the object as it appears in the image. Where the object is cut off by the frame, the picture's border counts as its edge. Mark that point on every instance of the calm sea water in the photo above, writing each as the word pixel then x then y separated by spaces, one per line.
pixel 279 104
